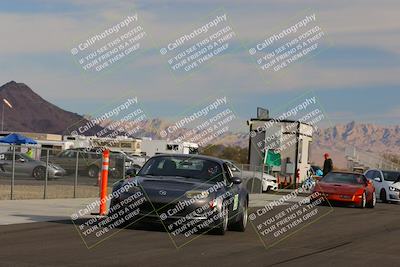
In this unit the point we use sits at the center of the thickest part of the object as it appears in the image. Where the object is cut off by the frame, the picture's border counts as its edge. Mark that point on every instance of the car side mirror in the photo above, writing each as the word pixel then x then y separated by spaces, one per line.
pixel 236 180
pixel 21 160
pixel 377 179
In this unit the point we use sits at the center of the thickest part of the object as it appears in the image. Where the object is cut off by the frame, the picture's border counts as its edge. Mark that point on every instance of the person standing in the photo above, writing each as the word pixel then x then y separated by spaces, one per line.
pixel 328 164
pixel 29 152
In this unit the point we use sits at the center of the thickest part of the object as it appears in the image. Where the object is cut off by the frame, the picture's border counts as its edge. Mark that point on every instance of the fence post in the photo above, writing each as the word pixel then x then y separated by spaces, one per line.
pixel 46 175
pixel 104 182
pixel 254 178
pixel 76 172
pixel 123 168
pixel 12 174
pixel 262 178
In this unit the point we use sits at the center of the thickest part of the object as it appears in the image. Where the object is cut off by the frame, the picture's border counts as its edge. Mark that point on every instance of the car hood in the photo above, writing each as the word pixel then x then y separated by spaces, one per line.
pixel 337 188
pixel 174 186
pixel 52 165
pixel 269 177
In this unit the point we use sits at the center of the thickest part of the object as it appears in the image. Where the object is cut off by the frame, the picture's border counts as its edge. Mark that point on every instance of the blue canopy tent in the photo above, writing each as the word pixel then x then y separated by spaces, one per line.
pixel 17 139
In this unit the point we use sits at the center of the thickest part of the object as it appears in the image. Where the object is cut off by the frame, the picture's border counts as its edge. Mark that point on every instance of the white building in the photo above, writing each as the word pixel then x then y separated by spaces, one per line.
pixel 119 143
pixel 292 139
pixel 153 147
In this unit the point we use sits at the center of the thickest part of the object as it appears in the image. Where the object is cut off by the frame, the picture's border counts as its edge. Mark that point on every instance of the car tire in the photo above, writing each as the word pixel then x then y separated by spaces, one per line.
pixel 383 196
pixel 39 172
pixel 363 203
pixel 93 171
pixel 116 174
pixel 222 225
pixel 240 226
pixel 371 204
pixel 267 190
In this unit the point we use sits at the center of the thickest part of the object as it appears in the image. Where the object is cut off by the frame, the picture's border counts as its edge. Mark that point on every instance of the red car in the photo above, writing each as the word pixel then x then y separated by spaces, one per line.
pixel 346 187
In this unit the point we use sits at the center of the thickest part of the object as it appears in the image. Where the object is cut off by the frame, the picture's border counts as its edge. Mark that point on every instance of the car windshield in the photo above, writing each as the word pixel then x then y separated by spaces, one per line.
pixel 343 178
pixel 184 167
pixel 391 176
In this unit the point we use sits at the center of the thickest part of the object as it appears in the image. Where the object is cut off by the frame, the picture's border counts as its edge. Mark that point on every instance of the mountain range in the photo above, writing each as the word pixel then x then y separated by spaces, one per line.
pixel 31 113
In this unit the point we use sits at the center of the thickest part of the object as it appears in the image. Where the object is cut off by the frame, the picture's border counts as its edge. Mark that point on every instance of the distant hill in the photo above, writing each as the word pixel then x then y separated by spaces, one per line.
pixel 152 127
pixel 369 137
pixel 366 137
pixel 31 113
pixel 333 140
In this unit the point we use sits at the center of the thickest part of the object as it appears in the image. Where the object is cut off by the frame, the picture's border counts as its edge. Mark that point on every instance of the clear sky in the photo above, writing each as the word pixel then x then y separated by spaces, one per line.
pixel 355 77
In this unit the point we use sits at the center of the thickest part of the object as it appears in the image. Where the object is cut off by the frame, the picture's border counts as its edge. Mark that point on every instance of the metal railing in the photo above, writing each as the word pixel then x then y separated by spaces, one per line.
pixel 357 158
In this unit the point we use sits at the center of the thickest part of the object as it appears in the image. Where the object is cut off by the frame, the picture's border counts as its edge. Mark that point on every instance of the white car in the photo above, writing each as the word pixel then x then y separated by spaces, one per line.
pixel 269 182
pixel 133 161
pixel 387 184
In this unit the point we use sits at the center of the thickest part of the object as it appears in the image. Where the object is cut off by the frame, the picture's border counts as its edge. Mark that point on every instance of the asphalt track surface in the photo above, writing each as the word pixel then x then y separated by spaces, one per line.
pixel 344 237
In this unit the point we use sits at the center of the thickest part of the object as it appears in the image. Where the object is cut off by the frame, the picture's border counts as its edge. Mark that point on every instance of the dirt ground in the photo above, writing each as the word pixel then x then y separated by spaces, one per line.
pixel 53 191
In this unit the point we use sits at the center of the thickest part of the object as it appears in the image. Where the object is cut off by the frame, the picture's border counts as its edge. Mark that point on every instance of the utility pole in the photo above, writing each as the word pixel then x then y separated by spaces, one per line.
pixel 5 101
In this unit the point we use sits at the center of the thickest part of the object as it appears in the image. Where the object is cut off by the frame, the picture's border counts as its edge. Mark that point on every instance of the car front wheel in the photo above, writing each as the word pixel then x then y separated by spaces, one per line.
pixel 363 202
pixel 240 226
pixel 222 225
pixel 383 197
pixel 93 171
pixel 371 204
pixel 39 172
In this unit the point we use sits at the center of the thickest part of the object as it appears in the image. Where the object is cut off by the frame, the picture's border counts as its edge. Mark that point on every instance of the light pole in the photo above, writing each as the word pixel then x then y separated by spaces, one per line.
pixel 5 101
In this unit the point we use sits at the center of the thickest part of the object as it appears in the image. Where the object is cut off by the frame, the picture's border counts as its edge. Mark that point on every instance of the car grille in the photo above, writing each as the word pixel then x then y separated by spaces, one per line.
pixel 160 207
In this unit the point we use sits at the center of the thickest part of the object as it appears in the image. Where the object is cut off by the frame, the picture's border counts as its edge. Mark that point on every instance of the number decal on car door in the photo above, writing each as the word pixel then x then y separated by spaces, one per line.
pixel 236 202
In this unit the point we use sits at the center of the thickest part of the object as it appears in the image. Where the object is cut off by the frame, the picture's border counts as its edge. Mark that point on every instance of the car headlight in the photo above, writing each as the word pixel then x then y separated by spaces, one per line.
pixel 215 202
pixel 391 188
pixel 197 194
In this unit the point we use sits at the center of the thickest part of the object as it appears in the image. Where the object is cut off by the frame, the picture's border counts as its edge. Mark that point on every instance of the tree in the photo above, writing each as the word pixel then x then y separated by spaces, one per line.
pixel 233 153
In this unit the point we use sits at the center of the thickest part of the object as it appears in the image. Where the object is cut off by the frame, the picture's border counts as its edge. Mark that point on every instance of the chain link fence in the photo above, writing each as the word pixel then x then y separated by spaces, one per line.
pixel 30 172
pixel 257 179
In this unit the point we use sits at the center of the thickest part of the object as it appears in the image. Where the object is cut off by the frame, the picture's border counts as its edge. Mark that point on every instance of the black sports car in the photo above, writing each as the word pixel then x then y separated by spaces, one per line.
pixel 184 192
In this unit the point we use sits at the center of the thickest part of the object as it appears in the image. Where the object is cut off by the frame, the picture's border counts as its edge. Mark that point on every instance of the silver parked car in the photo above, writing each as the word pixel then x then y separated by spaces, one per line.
pixel 24 165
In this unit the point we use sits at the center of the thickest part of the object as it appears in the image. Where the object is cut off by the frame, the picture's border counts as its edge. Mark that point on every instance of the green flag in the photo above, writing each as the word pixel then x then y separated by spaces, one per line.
pixel 272 158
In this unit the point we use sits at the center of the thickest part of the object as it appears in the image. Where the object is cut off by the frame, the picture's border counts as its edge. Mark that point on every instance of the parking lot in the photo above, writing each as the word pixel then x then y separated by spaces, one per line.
pixel 344 237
